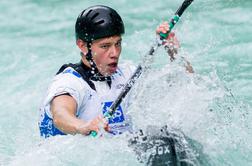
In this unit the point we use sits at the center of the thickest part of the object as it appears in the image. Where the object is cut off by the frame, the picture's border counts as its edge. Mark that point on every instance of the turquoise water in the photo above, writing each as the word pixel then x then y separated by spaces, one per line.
pixel 212 107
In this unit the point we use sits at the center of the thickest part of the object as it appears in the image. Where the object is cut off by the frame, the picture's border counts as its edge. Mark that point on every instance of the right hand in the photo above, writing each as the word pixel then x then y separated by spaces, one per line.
pixel 93 125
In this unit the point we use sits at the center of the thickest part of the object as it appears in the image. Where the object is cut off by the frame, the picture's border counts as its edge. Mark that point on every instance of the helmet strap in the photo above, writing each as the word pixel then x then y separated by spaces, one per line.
pixel 96 75
pixel 94 69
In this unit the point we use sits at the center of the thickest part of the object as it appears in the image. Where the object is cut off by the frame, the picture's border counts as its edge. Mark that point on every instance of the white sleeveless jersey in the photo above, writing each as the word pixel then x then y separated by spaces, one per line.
pixel 90 103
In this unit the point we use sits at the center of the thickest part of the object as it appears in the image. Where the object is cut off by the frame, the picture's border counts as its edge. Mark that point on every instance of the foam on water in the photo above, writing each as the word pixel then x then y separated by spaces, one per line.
pixel 202 107
pixel 77 150
pixel 211 107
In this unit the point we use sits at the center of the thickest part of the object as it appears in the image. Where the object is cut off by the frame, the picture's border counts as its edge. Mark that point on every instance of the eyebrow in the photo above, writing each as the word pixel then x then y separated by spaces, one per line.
pixel 105 43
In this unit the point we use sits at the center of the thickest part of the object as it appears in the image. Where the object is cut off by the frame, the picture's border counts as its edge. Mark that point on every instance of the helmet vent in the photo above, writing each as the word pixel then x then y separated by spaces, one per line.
pixel 93 17
pixel 111 15
pixel 99 22
pixel 82 13
pixel 88 12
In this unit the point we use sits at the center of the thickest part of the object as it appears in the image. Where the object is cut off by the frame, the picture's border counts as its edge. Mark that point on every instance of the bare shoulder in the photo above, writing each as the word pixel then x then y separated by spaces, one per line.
pixel 64 100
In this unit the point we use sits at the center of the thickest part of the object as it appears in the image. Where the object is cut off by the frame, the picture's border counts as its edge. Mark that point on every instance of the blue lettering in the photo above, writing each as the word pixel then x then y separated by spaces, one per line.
pixel 118 114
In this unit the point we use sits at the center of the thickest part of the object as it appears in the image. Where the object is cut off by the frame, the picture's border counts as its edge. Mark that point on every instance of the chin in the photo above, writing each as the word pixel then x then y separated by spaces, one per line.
pixel 106 74
pixel 110 73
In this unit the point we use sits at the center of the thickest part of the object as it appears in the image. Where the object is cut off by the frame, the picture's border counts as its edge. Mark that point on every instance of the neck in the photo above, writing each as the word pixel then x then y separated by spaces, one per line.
pixel 84 60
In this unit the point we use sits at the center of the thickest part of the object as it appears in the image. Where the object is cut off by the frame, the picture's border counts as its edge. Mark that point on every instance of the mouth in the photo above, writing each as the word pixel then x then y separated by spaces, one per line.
pixel 112 67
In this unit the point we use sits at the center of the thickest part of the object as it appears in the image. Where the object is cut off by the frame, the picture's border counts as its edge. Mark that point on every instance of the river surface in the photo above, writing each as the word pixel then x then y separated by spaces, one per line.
pixel 211 106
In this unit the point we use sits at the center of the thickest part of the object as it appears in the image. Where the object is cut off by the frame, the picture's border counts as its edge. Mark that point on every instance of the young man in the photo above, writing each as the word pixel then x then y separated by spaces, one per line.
pixel 80 93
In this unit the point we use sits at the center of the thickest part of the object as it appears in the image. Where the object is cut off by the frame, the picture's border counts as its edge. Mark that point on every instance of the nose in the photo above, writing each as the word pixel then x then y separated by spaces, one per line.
pixel 114 52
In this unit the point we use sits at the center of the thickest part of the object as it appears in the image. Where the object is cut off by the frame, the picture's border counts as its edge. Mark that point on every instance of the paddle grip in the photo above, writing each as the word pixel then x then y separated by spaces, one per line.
pixel 173 21
pixel 107 115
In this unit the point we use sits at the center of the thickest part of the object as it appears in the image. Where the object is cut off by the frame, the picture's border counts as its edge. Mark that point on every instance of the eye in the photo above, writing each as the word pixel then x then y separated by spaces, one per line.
pixel 118 44
pixel 104 46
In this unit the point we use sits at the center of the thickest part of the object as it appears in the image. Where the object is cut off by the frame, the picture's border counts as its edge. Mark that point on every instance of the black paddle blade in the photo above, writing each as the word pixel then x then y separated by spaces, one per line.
pixel 161 147
pixel 183 7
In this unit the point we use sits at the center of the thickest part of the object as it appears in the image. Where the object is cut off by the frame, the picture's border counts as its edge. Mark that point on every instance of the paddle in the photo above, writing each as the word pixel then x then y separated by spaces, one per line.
pixel 140 67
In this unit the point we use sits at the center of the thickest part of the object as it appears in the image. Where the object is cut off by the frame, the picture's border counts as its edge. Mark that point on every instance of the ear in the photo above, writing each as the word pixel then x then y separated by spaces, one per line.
pixel 82 46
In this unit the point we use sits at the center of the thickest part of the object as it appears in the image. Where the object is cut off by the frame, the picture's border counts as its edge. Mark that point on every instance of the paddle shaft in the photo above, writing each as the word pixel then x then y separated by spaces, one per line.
pixel 140 68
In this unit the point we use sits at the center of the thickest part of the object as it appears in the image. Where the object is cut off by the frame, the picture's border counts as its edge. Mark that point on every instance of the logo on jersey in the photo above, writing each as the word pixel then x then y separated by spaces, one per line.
pixel 118 114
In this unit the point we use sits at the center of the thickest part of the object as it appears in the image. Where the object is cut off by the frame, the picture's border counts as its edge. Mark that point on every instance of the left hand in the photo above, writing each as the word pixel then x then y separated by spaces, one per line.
pixel 171 42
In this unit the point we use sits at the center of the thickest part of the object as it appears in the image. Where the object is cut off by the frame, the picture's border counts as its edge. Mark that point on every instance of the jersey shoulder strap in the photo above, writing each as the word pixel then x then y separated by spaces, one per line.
pixel 82 70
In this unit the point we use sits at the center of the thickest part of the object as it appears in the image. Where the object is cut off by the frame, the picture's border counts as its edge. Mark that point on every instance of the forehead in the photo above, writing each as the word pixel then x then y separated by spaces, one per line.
pixel 111 39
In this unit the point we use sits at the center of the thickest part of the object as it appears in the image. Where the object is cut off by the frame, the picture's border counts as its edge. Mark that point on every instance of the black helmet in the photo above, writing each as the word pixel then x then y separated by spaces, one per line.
pixel 98 22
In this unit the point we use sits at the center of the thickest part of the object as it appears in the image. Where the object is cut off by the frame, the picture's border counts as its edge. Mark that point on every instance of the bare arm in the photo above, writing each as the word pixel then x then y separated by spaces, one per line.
pixel 64 109
pixel 172 45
